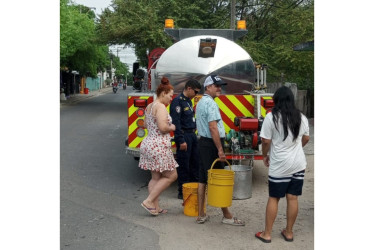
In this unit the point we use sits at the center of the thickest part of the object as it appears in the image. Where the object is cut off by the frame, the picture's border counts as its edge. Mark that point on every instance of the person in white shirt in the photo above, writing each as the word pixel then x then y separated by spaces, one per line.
pixel 284 133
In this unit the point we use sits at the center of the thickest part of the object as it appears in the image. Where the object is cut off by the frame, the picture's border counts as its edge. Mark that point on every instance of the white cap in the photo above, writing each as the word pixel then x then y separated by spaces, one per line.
pixel 213 79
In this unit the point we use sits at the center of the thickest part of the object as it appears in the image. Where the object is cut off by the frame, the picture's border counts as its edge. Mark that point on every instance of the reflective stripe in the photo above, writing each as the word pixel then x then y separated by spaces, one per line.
pixel 263 109
pixel 133 140
pixel 232 106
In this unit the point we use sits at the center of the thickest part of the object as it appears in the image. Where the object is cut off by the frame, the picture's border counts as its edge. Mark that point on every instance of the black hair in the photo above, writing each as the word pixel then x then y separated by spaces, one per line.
pixel 284 106
pixel 192 83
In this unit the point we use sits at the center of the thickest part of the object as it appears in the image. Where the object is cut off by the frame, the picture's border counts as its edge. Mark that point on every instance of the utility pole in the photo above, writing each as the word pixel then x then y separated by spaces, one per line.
pixel 233 12
pixel 111 65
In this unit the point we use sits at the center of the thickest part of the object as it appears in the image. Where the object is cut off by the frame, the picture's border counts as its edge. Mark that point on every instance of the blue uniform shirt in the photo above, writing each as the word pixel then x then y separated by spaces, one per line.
pixel 182 113
pixel 206 111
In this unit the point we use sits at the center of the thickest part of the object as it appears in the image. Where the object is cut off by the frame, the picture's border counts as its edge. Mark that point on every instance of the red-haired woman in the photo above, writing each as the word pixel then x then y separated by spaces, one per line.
pixel 155 150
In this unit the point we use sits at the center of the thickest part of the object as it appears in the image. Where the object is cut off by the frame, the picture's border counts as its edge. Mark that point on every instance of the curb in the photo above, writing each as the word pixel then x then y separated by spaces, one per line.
pixel 73 99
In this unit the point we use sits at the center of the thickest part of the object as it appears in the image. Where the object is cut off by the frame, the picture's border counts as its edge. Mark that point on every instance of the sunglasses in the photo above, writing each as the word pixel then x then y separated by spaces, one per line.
pixel 196 91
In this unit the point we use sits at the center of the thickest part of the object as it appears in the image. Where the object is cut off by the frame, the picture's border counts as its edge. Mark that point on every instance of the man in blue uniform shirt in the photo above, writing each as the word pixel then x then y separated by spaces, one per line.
pixel 183 115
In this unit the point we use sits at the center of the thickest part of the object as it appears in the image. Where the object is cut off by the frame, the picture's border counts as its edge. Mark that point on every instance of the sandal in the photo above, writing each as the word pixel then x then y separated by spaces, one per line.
pixel 151 210
pixel 283 233
pixel 258 236
pixel 233 221
pixel 201 220
pixel 163 211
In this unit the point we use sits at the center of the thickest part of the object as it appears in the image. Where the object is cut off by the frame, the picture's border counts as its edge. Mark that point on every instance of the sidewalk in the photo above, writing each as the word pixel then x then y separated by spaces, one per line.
pixel 73 99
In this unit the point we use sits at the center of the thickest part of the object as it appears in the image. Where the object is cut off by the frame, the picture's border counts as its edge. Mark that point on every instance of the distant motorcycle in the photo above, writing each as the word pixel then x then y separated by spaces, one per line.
pixel 115 87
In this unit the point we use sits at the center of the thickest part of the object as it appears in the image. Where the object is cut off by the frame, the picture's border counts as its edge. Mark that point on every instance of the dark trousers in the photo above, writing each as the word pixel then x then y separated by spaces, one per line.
pixel 209 154
pixel 188 170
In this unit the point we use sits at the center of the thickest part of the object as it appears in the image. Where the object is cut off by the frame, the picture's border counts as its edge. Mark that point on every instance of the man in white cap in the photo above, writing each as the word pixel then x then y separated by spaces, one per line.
pixel 212 132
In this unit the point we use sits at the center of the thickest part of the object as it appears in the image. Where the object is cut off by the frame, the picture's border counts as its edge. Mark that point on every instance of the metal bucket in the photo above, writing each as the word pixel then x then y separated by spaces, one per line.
pixel 242 182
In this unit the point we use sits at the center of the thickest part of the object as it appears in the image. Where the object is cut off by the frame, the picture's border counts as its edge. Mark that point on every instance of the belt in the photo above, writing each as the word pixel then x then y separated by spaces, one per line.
pixel 209 139
pixel 191 130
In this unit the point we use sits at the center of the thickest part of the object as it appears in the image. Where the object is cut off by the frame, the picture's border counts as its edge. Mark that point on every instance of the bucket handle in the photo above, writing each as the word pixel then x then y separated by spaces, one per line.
pixel 218 160
pixel 184 201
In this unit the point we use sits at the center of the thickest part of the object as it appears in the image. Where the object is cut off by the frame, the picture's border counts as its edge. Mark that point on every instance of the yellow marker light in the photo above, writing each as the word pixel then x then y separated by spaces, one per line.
pixel 169 23
pixel 241 25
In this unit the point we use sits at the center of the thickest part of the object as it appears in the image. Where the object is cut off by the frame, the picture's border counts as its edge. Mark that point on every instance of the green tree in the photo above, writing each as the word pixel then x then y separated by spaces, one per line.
pixel 79 47
pixel 121 68
pixel 274 28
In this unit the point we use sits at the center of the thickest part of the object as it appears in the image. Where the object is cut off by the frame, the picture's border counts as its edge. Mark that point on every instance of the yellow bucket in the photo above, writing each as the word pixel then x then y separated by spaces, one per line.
pixel 220 186
pixel 190 201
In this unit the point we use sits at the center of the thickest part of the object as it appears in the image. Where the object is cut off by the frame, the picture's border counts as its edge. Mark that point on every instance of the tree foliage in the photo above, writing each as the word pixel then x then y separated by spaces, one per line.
pixel 275 27
pixel 80 48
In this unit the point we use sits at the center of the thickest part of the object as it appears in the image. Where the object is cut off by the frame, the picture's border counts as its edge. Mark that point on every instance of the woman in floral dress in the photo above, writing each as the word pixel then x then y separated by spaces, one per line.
pixel 155 150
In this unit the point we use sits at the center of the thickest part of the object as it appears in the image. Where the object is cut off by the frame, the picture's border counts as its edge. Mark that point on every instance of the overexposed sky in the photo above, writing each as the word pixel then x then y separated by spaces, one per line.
pixel 100 5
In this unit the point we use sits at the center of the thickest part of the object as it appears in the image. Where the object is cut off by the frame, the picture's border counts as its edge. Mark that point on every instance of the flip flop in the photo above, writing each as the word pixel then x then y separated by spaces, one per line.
pixel 163 211
pixel 284 236
pixel 233 221
pixel 150 209
pixel 202 220
pixel 258 236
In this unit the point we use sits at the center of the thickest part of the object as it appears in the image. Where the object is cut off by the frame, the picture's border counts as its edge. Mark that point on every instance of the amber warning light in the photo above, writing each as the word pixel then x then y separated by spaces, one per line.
pixel 169 23
pixel 241 25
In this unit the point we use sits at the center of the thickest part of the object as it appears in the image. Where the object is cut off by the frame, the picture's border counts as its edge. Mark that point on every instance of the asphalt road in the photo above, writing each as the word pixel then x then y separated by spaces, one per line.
pixel 100 184
pixel 101 189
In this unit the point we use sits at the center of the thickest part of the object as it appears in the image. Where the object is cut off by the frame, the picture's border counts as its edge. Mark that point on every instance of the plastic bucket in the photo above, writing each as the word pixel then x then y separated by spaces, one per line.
pixel 190 201
pixel 220 186
pixel 86 90
pixel 243 182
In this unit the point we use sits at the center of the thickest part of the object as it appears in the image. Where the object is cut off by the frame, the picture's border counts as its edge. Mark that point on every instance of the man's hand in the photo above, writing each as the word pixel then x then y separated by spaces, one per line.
pixel 183 147
pixel 266 161
pixel 221 155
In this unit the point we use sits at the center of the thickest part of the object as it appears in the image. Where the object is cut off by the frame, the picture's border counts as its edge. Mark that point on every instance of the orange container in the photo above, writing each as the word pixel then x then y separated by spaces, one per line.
pixel 190 200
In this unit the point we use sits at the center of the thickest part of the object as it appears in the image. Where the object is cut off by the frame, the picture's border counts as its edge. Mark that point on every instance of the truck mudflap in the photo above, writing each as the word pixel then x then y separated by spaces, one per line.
pixel 132 151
